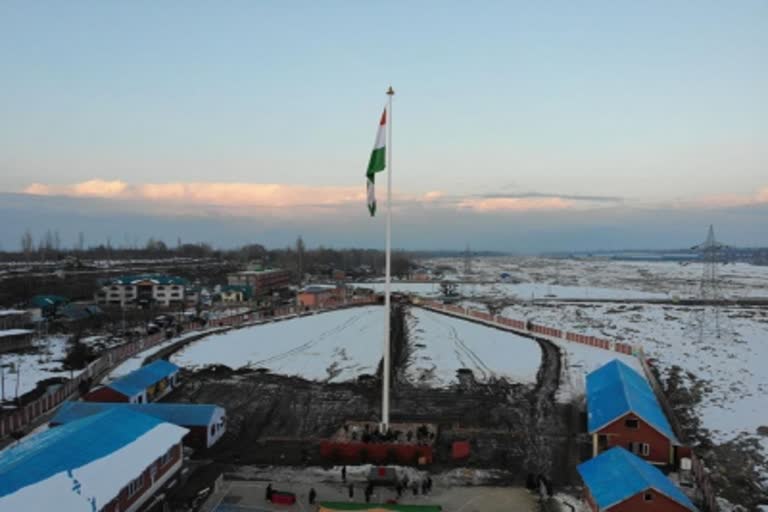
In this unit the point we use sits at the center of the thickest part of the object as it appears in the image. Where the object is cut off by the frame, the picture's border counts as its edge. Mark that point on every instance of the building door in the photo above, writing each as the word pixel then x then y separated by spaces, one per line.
pixel 602 443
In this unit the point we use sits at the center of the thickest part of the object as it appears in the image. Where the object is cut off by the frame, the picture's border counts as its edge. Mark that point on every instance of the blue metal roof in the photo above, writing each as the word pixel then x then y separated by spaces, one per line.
pixel 69 447
pixel 139 380
pixel 615 389
pixel 617 475
pixel 184 415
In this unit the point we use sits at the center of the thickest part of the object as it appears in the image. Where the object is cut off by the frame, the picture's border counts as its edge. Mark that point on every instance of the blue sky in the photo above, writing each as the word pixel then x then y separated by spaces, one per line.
pixel 562 107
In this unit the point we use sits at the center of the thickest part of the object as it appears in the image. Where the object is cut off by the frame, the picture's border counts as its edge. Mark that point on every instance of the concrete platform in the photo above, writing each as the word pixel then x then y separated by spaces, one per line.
pixel 241 496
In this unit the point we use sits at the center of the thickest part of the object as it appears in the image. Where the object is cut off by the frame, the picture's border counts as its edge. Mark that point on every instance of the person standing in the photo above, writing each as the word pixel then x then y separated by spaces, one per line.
pixel 312 496
pixel 344 474
pixel 351 491
pixel 268 496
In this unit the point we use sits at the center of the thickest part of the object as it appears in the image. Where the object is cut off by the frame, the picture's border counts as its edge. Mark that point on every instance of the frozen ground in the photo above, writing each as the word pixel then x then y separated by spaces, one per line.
pixel 442 345
pixel 665 278
pixel 28 368
pixel 334 346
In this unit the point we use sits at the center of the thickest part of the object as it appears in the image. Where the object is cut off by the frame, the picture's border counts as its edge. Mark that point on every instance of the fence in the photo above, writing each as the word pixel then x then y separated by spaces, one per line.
pixel 30 413
pixel 699 472
pixel 527 327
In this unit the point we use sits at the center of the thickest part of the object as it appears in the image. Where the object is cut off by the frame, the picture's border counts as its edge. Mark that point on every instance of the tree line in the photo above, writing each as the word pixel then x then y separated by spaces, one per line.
pixel 298 258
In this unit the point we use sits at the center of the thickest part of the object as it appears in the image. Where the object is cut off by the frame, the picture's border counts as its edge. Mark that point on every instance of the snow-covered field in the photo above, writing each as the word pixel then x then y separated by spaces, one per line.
pixel 334 346
pixel 623 277
pixel 444 344
pixel 135 362
pixel 523 291
pixel 342 345
pixel 28 368
pixel 733 367
pixel 580 360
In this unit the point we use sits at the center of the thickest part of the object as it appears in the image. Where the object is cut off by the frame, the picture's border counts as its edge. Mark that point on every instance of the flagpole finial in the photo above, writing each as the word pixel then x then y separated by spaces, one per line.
pixel 390 91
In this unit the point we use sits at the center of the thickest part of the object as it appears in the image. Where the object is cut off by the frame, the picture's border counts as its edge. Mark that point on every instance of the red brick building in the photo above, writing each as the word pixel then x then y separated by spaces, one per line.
pixel 617 481
pixel 262 282
pixel 319 296
pixel 622 410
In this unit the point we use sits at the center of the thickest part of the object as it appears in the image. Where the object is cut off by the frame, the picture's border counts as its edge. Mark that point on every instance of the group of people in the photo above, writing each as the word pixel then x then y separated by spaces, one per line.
pixel 402 486
pixel 422 435
pixel 424 485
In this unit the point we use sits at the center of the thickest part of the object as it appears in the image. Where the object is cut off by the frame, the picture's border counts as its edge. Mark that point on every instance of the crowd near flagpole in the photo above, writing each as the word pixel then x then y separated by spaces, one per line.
pixel 388 269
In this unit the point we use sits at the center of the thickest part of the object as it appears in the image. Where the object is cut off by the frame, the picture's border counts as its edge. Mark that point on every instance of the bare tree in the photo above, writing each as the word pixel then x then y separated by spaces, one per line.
pixel 300 259
pixel 27 244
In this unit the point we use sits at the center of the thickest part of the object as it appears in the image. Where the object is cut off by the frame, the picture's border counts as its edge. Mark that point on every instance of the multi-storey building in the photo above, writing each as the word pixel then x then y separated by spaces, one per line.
pixel 262 282
pixel 143 290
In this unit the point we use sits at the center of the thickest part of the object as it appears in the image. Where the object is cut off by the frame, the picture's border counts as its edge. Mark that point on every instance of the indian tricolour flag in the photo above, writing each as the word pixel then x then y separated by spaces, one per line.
pixel 377 162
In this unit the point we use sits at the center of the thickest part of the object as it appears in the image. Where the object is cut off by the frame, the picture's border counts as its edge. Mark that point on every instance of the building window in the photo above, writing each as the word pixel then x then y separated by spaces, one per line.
pixel 167 456
pixel 135 486
pixel 632 423
pixel 637 448
pixel 648 496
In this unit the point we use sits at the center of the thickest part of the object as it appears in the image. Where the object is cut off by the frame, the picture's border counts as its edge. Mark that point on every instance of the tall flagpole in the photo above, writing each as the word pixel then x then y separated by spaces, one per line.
pixel 388 265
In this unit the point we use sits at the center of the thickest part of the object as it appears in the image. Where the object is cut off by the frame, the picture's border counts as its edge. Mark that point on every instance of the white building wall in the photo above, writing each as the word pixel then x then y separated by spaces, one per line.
pixel 219 424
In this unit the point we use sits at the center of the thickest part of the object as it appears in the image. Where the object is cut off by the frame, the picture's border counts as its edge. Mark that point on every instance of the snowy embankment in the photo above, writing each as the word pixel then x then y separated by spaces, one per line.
pixel 22 371
pixel 334 346
pixel 442 345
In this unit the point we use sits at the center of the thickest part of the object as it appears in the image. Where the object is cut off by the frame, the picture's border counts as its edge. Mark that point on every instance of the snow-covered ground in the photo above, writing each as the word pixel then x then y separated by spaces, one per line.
pixel 135 362
pixel 28 368
pixel 579 360
pixel 523 291
pixel 444 344
pixel 666 278
pixel 334 346
pixel 342 345
pixel 733 368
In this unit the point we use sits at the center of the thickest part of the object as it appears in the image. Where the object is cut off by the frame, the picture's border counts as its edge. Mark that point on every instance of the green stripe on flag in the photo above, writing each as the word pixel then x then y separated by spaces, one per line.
pixel 377 162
